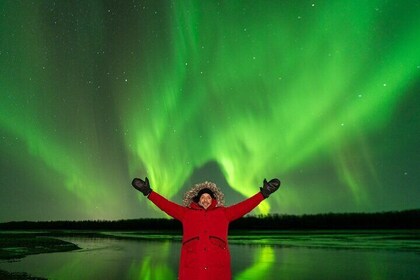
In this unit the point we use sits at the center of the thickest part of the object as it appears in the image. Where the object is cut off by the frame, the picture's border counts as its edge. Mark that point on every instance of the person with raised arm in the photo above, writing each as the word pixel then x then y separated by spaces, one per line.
pixel 205 221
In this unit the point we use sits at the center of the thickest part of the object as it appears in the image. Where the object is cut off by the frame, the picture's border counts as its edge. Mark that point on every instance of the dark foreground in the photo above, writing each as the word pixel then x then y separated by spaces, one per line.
pixel 4 275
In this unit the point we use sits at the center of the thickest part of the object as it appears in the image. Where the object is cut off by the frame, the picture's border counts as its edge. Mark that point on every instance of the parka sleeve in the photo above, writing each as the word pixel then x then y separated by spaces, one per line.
pixel 238 210
pixel 172 209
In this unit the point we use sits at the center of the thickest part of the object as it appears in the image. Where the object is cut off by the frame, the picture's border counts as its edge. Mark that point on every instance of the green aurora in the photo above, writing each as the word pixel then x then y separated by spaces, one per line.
pixel 322 94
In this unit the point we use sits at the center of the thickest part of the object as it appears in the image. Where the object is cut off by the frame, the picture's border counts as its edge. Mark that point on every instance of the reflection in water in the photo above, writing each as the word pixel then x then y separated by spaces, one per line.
pixel 264 259
pixel 154 266
pixel 104 258
pixel 148 269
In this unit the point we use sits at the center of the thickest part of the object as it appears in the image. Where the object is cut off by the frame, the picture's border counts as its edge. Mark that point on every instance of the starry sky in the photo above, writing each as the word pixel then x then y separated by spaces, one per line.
pixel 321 94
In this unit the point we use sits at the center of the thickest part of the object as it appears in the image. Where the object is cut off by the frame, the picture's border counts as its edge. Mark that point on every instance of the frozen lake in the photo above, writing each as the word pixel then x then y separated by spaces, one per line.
pixel 286 255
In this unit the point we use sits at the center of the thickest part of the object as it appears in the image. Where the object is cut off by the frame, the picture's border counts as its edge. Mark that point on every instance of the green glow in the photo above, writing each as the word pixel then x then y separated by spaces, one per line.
pixel 262 264
pixel 260 101
pixel 150 270
pixel 154 267
pixel 94 94
pixel 31 108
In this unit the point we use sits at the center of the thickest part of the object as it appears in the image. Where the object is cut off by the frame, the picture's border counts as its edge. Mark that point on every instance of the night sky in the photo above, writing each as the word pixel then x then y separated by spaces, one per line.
pixel 321 94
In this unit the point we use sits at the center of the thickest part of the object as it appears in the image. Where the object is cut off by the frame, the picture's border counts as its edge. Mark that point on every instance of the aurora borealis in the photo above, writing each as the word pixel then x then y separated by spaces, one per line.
pixel 322 94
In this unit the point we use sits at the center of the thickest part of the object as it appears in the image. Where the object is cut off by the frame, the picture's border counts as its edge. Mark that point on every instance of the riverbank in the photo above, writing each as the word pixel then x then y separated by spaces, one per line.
pixel 15 246
pixel 4 275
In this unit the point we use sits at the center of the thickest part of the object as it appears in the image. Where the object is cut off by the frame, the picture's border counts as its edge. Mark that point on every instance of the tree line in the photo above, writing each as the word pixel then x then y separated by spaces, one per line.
pixel 408 219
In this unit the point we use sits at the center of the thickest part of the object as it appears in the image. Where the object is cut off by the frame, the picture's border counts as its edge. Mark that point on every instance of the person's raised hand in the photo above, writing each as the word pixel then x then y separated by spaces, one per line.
pixel 269 187
pixel 142 186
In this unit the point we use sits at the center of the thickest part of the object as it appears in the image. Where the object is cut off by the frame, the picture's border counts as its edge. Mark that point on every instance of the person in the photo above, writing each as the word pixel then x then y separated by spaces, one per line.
pixel 205 220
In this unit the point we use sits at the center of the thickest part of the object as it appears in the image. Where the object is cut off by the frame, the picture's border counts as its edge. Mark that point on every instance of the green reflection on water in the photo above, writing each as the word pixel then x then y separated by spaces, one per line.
pixel 148 269
pixel 264 259
pixel 297 255
pixel 154 267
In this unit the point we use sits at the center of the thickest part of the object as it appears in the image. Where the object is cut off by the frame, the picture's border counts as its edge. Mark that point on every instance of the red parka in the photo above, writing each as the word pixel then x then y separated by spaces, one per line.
pixel 205 252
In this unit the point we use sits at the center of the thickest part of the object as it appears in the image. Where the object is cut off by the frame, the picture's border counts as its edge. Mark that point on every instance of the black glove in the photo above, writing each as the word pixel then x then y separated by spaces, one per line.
pixel 142 186
pixel 270 187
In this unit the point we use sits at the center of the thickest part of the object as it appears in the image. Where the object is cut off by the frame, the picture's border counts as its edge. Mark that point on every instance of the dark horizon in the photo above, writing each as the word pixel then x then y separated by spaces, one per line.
pixel 247 216
pixel 406 219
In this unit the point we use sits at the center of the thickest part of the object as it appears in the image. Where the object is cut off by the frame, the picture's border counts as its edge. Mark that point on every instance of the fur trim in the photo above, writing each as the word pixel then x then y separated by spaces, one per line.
pixel 189 195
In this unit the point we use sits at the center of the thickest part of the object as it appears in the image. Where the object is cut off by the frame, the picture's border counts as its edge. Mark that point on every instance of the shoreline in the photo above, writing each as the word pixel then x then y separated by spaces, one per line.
pixel 5 275
pixel 16 245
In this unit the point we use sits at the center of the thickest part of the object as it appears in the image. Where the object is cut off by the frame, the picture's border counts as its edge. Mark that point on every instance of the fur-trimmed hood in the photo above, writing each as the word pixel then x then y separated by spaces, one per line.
pixel 189 195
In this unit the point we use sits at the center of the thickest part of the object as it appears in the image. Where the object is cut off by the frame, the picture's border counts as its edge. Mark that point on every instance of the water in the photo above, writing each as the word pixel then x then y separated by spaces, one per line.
pixel 268 256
